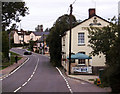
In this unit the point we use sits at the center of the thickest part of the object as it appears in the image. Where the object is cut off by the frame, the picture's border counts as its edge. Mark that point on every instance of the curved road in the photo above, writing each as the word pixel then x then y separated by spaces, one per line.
pixel 38 75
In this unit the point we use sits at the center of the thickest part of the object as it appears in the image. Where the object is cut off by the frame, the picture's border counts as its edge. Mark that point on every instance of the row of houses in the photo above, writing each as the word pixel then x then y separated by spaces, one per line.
pixel 79 44
pixel 38 37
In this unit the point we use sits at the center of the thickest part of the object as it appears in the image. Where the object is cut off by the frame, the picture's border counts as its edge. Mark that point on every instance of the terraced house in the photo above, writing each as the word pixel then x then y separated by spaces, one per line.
pixel 38 37
pixel 79 44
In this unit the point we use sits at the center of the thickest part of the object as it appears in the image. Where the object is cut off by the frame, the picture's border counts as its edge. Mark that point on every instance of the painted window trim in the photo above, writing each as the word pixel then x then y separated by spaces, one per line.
pixel 81 44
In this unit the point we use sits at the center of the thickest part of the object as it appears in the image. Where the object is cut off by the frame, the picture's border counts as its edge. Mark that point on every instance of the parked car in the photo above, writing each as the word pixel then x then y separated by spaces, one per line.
pixel 27 53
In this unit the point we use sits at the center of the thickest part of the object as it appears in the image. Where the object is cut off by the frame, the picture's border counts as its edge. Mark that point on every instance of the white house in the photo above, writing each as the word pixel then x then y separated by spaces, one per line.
pixel 18 36
pixel 35 36
pixel 79 43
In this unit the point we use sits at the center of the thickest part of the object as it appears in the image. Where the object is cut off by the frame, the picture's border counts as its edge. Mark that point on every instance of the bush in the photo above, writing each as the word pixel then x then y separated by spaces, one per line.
pixel 17 45
pixel 36 51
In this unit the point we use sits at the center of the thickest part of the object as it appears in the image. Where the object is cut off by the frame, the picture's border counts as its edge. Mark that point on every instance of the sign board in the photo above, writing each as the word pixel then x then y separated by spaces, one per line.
pixel 82 69
pixel 9 54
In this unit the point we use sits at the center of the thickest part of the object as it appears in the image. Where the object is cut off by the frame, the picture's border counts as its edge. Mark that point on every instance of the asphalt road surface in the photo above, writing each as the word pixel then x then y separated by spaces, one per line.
pixel 38 75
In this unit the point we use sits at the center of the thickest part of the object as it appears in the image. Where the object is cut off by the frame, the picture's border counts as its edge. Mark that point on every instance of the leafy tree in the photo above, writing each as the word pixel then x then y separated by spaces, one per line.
pixel 47 30
pixel 106 40
pixel 102 39
pixel 31 44
pixel 5 45
pixel 11 11
pixel 54 38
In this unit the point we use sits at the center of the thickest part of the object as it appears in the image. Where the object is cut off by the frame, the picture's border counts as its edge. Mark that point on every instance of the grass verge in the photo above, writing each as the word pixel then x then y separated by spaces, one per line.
pixel 11 61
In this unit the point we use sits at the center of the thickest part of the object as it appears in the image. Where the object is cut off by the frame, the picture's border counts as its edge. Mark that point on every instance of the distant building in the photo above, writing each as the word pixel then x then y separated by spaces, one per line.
pixel 41 44
pixel 18 37
pixel 79 44
pixel 35 36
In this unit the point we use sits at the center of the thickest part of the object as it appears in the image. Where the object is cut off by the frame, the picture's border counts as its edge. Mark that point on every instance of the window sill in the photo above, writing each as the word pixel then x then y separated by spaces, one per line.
pixel 81 64
pixel 81 44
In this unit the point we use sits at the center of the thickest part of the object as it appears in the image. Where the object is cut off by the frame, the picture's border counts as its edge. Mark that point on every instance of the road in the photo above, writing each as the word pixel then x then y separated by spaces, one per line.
pixel 38 75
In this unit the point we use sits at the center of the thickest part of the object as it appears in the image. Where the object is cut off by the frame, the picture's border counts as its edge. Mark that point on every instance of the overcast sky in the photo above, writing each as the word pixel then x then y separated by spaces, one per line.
pixel 46 12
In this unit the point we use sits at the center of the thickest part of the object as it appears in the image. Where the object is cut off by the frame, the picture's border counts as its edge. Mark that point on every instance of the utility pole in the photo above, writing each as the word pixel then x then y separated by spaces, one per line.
pixel 70 39
pixel 23 39
pixel 119 26
pixel 119 18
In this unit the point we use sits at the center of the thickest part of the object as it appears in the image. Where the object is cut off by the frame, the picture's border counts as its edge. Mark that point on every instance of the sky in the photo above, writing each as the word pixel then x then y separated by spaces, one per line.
pixel 46 12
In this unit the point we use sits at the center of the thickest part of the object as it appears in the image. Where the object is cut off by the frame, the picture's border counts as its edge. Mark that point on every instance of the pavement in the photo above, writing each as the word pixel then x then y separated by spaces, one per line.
pixel 87 78
pixel 9 69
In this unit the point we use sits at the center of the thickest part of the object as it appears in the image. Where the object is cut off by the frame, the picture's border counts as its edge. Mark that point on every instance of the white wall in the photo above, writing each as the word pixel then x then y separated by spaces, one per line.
pixel 97 61
pixel 16 38
pixel 26 38
pixel 32 35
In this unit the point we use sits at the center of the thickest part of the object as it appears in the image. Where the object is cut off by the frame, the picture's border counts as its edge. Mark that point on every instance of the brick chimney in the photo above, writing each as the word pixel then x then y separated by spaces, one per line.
pixel 92 12
pixel 41 28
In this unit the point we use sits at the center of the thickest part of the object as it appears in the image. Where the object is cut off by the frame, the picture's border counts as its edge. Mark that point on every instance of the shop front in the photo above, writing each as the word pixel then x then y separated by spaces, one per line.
pixel 82 68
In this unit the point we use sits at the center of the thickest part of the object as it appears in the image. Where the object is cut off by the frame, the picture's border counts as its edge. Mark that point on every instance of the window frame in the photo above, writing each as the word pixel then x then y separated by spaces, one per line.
pixel 81 39
pixel 83 60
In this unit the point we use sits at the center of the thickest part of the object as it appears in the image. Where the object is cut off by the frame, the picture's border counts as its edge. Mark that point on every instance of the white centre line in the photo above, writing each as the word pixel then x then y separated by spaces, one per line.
pixel 28 78
pixel 65 80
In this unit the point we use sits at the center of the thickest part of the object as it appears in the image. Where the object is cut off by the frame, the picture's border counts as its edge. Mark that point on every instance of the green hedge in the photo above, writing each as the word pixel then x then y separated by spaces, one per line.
pixel 20 45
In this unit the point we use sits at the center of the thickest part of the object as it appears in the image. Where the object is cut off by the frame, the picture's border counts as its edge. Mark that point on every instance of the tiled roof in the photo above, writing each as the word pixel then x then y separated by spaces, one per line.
pixel 43 34
pixel 21 33
pixel 37 33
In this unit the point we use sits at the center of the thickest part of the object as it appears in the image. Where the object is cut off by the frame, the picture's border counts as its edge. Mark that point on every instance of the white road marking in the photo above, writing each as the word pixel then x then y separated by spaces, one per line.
pixel 83 83
pixel 15 70
pixel 65 80
pixel 33 73
pixel 17 89
pixel 29 77
pixel 24 83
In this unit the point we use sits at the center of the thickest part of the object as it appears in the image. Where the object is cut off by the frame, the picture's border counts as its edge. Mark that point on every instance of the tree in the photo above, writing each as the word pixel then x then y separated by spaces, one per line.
pixel 5 45
pixel 31 43
pixel 106 40
pixel 47 30
pixel 11 11
pixel 54 38
pixel 102 39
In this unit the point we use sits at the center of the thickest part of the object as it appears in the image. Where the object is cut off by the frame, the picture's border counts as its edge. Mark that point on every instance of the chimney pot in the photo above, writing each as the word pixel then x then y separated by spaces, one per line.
pixel 92 12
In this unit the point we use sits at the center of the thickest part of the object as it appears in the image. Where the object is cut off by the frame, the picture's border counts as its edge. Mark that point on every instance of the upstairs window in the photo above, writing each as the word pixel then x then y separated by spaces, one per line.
pixel 21 36
pixel 81 39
